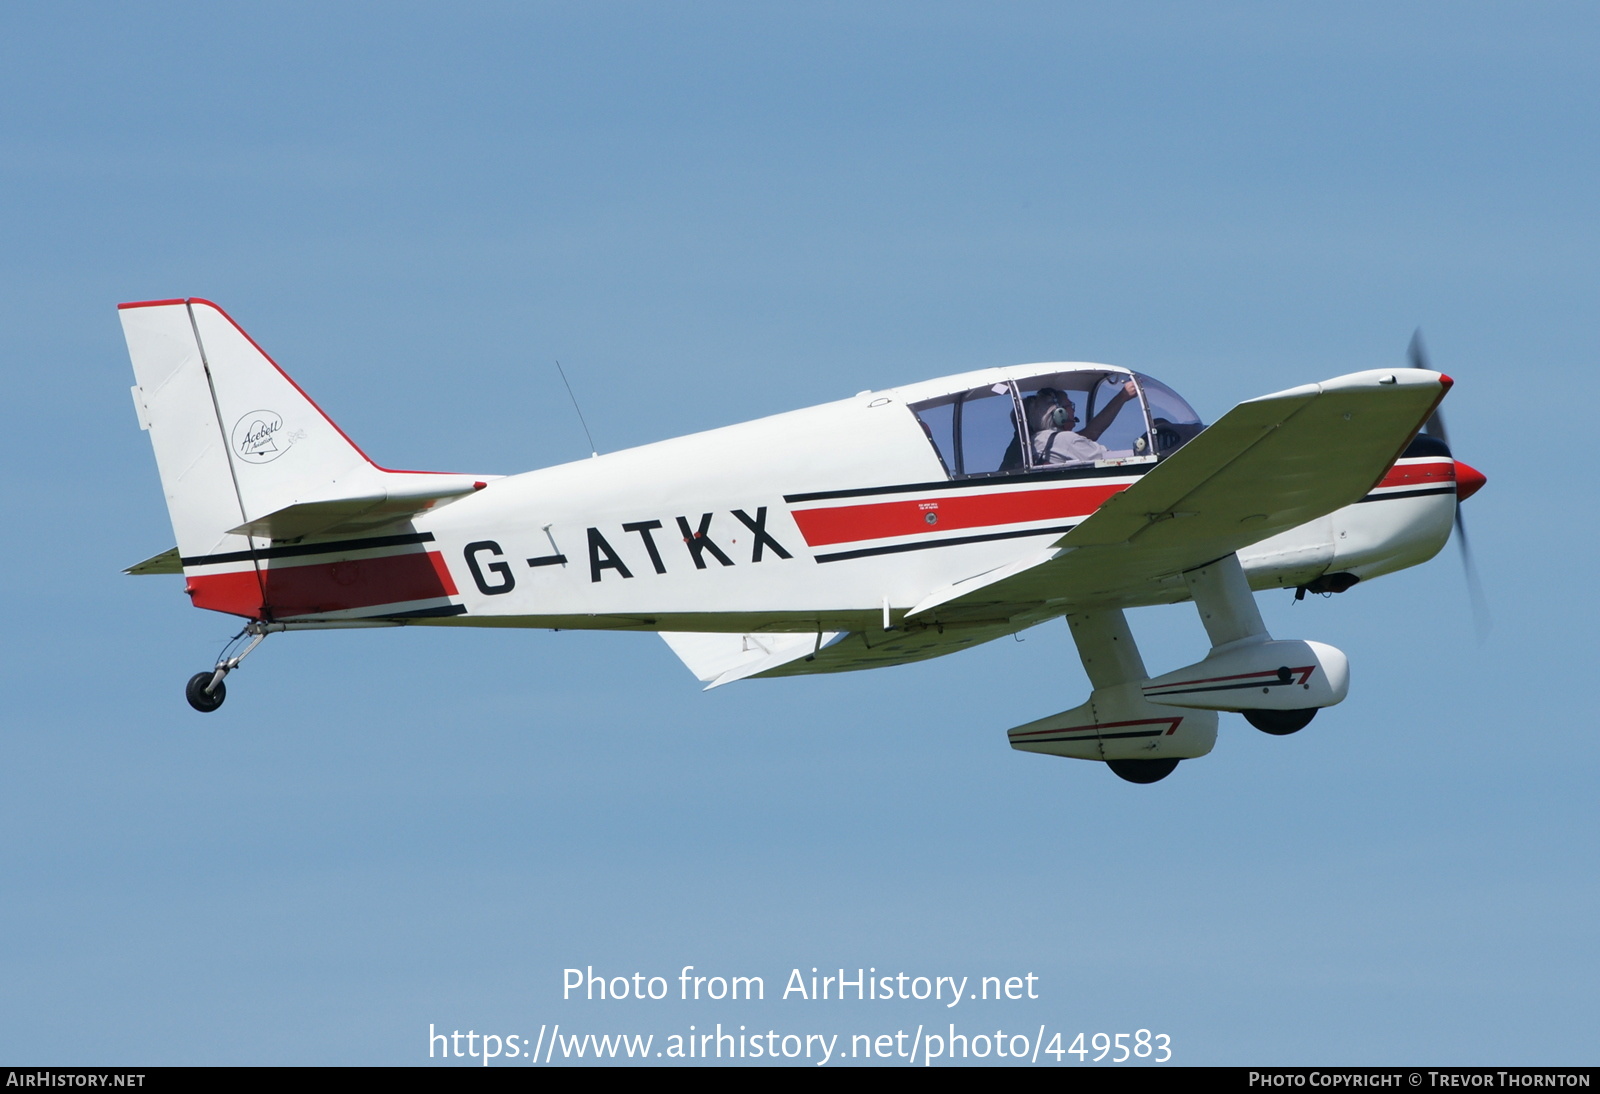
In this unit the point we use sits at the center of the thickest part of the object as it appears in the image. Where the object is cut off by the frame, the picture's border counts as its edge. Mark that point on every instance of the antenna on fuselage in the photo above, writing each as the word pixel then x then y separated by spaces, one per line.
pixel 593 451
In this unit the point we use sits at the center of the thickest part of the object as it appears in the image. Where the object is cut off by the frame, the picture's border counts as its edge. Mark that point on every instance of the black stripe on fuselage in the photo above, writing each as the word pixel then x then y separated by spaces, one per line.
pixel 1420 493
pixel 1090 736
pixel 1264 683
pixel 896 548
pixel 427 613
pixel 299 550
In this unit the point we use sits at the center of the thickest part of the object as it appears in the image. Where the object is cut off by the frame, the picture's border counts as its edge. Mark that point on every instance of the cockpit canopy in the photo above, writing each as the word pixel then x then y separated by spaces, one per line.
pixel 1088 417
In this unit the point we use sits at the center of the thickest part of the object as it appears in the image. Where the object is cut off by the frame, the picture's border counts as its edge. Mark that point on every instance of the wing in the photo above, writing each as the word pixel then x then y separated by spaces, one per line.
pixel 1266 466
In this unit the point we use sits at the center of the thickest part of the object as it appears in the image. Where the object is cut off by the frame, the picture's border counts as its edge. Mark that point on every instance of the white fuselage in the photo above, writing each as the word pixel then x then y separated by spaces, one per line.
pixel 691 533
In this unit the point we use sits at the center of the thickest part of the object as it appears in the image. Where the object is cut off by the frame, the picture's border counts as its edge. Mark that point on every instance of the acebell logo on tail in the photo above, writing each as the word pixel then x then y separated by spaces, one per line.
pixel 258 437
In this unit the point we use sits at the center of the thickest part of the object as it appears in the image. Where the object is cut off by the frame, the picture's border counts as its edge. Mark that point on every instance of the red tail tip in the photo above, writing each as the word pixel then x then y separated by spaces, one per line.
pixel 148 304
pixel 1469 480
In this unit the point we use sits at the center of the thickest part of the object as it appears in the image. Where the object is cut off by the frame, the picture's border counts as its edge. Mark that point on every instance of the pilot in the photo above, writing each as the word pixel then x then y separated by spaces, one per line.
pixel 1051 416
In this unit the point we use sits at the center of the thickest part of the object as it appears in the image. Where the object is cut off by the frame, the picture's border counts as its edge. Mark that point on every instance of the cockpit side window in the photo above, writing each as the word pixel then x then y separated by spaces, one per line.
pixel 1121 436
pixel 938 419
pixel 974 432
pixel 988 431
pixel 1053 409
pixel 1083 418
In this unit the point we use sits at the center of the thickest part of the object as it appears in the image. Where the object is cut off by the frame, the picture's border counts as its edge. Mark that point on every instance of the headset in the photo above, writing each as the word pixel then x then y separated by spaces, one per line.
pixel 1060 413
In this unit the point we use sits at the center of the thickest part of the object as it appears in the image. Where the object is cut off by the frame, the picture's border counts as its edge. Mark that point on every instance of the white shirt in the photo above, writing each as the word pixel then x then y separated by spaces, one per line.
pixel 1060 446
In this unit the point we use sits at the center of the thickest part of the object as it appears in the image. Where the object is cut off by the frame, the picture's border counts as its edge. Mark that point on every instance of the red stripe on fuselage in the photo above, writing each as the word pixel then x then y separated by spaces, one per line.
pixel 1413 474
pixel 885 519
pixel 326 587
pixel 1170 723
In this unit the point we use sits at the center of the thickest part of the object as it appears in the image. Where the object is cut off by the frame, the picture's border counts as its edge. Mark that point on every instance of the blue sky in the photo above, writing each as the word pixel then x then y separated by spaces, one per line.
pixel 710 213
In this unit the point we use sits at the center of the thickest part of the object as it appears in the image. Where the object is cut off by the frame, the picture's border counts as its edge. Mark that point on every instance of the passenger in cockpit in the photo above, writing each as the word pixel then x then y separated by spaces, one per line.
pixel 1051 417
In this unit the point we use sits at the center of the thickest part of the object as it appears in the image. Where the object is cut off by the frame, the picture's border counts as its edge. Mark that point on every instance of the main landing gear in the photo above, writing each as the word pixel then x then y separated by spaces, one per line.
pixel 1141 727
pixel 205 690
pixel 1139 740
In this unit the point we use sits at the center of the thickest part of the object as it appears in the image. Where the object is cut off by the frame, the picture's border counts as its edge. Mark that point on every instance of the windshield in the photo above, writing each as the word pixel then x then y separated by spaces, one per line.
pixel 1174 421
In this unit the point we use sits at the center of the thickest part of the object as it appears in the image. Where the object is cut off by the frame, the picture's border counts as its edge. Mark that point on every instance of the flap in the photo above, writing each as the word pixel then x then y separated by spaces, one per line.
pixel 958 589
pixel 909 642
pixel 721 659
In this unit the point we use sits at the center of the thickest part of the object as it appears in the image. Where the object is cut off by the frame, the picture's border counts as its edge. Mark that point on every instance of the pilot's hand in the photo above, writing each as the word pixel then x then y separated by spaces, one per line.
pixel 1130 390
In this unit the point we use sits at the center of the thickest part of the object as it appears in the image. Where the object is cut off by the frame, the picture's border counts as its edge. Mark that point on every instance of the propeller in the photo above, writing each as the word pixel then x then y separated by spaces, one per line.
pixel 1468 480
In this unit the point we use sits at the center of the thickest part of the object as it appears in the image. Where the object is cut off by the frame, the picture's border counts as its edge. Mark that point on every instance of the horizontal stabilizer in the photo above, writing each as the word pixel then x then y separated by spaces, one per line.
pixel 167 562
pixel 395 496
pixel 719 659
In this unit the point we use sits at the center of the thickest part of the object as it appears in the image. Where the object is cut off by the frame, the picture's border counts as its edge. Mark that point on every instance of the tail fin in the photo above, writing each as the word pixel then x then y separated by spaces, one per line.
pixel 244 455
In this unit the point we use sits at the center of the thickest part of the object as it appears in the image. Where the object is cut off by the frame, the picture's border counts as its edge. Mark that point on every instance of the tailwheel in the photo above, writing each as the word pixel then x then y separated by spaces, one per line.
pixel 205 690
pixel 201 693
pixel 1142 771
pixel 1280 723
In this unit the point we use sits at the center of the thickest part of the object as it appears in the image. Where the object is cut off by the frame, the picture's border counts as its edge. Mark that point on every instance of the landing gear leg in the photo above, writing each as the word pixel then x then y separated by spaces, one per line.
pixel 205 690
pixel 1242 651
pixel 1132 735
